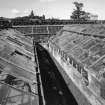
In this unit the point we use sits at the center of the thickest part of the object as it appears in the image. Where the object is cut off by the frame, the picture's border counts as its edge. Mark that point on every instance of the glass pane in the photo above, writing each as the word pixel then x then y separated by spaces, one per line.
pixel 20 98
pixel 12 96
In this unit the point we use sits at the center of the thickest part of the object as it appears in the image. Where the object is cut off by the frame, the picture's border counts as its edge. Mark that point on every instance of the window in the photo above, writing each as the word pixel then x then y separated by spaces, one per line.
pixel 70 60
pixel 74 64
pixel 85 77
pixel 79 68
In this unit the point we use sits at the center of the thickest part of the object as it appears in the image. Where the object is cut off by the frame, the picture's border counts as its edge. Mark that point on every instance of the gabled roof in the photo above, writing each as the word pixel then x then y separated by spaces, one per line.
pixel 85 49
pixel 16 53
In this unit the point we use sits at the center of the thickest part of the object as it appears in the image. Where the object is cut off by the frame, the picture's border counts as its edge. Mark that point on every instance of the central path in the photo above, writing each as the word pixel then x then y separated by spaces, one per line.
pixel 55 89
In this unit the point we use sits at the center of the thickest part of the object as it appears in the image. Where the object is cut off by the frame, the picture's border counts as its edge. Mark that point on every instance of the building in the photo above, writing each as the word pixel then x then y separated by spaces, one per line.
pixel 18 77
pixel 93 17
pixel 80 51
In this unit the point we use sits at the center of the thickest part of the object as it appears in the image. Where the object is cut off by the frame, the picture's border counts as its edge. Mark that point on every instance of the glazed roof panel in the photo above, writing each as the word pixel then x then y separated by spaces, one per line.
pixel 15 54
pixel 86 49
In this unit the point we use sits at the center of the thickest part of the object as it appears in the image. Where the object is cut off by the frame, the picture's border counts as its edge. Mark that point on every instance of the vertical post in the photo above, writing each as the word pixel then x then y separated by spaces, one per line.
pixel 32 30
pixel 47 30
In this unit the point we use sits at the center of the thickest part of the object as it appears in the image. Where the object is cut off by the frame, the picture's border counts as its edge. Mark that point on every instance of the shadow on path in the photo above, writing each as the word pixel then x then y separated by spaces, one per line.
pixel 55 90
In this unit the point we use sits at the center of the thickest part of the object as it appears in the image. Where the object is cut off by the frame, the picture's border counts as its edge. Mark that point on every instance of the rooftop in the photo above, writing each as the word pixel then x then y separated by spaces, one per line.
pixel 17 68
pixel 78 41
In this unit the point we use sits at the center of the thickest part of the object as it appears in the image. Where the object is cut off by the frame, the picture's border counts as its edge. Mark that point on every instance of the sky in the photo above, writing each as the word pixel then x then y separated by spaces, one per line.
pixel 61 9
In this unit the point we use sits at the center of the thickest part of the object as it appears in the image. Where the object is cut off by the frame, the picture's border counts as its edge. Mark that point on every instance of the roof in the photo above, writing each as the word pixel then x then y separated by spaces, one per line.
pixel 78 41
pixel 17 62
pixel 16 50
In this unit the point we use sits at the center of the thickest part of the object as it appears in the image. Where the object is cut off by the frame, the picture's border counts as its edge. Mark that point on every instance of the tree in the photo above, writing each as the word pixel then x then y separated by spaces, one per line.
pixel 78 14
pixel 31 14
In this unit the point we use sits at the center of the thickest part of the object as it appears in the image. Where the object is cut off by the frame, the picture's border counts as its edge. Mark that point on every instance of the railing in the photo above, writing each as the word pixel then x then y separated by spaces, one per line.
pixel 39 29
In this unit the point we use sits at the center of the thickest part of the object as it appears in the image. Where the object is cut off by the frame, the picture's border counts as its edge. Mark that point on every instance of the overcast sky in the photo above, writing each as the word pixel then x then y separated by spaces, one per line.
pixel 50 8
